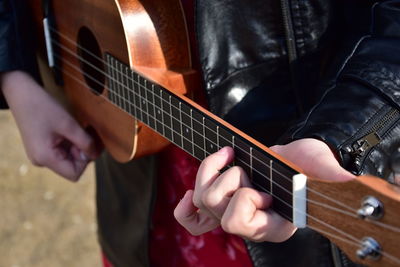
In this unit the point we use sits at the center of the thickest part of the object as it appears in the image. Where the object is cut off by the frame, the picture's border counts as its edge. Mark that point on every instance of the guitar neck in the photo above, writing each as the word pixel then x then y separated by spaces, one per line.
pixel 194 130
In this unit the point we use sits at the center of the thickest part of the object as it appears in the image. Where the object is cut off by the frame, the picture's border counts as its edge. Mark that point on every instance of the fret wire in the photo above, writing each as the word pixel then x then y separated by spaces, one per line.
pixel 245 163
pixel 180 120
pixel 218 138
pixel 113 82
pixel 68 50
pixel 209 128
pixel 109 81
pixel 233 146
pixel 127 79
pixel 284 189
pixel 204 126
pixel 125 88
pixel 170 112
pixel 140 99
pixel 146 101
pixel 132 94
pixel 191 126
pixel 120 88
pixel 251 162
pixel 71 75
pixel 147 97
pixel 204 135
pixel 154 108
pixel 283 201
pixel 270 175
pixel 82 83
pixel 117 98
pixel 134 104
pixel 203 120
pixel 162 110
pixel 118 93
pixel 205 151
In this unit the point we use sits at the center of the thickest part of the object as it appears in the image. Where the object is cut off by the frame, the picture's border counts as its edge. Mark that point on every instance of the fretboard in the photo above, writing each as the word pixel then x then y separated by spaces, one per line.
pixel 197 133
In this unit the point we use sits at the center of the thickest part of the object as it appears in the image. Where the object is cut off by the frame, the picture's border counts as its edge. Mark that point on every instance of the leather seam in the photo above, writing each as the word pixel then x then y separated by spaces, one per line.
pixel 301 36
pixel 331 88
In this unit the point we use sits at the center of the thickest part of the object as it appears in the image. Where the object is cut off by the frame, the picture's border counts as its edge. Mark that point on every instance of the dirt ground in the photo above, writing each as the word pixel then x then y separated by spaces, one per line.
pixel 44 220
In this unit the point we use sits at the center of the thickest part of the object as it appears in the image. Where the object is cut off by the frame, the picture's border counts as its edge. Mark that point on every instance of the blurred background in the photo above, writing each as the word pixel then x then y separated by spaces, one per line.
pixel 44 219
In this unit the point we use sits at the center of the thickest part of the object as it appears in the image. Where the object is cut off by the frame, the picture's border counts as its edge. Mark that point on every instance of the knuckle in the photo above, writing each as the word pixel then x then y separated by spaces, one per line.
pixel 206 162
pixel 37 158
pixel 198 203
pixel 194 231
pixel 231 225
pixel 243 192
pixel 210 199
pixel 67 124
pixel 236 170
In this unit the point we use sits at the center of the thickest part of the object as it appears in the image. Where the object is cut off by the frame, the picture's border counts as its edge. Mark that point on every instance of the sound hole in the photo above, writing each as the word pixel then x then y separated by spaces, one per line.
pixel 91 60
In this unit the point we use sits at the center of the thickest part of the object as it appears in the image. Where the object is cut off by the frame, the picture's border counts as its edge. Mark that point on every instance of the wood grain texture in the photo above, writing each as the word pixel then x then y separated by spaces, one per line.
pixel 332 211
pixel 149 36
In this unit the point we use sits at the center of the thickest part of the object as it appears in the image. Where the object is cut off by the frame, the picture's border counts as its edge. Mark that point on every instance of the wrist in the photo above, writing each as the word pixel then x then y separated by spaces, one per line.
pixel 14 83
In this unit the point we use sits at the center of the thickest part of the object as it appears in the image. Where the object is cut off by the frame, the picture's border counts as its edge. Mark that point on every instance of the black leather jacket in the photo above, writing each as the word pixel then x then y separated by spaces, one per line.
pixel 335 64
pixel 328 69
pixel 17 46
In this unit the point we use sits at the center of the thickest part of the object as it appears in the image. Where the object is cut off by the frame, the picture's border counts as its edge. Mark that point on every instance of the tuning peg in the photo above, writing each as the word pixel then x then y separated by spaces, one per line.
pixel 395 166
pixel 370 208
pixel 369 248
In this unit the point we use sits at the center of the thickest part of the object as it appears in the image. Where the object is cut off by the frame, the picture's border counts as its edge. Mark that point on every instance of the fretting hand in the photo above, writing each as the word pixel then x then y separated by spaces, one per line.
pixel 227 199
pixel 51 137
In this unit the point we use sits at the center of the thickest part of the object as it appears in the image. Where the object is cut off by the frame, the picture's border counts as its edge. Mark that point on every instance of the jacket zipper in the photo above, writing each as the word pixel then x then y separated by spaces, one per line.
pixel 363 145
pixel 291 50
pixel 289 34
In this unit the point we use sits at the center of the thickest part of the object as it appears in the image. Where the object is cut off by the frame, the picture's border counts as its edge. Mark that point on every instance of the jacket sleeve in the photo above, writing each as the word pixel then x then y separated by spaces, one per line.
pixel 358 116
pixel 17 51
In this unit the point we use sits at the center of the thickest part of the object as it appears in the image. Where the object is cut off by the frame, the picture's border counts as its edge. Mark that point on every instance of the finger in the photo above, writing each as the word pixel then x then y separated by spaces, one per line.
pixel 218 195
pixel 72 131
pixel 309 153
pixel 188 215
pixel 209 171
pixel 79 160
pixel 246 215
pixel 63 163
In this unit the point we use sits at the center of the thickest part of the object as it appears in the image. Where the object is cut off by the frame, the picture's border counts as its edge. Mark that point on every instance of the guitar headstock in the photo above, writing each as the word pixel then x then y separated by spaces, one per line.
pixel 361 216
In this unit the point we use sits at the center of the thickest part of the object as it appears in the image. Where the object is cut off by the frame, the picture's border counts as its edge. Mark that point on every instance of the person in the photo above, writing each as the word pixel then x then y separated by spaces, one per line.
pixel 356 101
pixel 264 64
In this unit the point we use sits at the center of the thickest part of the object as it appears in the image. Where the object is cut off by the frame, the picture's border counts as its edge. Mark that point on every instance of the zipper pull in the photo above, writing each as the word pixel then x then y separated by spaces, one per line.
pixel 363 144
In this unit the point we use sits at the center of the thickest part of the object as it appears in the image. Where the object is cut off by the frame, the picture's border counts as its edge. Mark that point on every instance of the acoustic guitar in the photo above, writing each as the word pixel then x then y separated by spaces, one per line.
pixel 125 66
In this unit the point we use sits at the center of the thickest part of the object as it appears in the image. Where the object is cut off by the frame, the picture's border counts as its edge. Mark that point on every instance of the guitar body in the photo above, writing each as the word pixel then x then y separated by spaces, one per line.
pixel 86 30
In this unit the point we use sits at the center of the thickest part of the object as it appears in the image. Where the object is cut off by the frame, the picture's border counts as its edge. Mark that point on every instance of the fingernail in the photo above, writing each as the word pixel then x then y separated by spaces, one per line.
pixel 83 156
pixel 223 151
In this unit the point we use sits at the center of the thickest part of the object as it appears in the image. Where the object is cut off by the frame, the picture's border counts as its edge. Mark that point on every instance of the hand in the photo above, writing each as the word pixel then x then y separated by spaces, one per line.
pixel 51 137
pixel 227 200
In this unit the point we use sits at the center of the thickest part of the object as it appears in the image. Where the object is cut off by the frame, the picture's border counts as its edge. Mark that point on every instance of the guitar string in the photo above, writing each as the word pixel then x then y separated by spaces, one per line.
pixel 327 206
pixel 382 252
pixel 239 148
pixel 229 141
pixel 356 241
pixel 243 162
pixel 309 215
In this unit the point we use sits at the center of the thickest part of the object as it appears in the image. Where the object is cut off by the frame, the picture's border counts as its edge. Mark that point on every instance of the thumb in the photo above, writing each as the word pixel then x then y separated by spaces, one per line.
pixel 194 220
pixel 79 138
